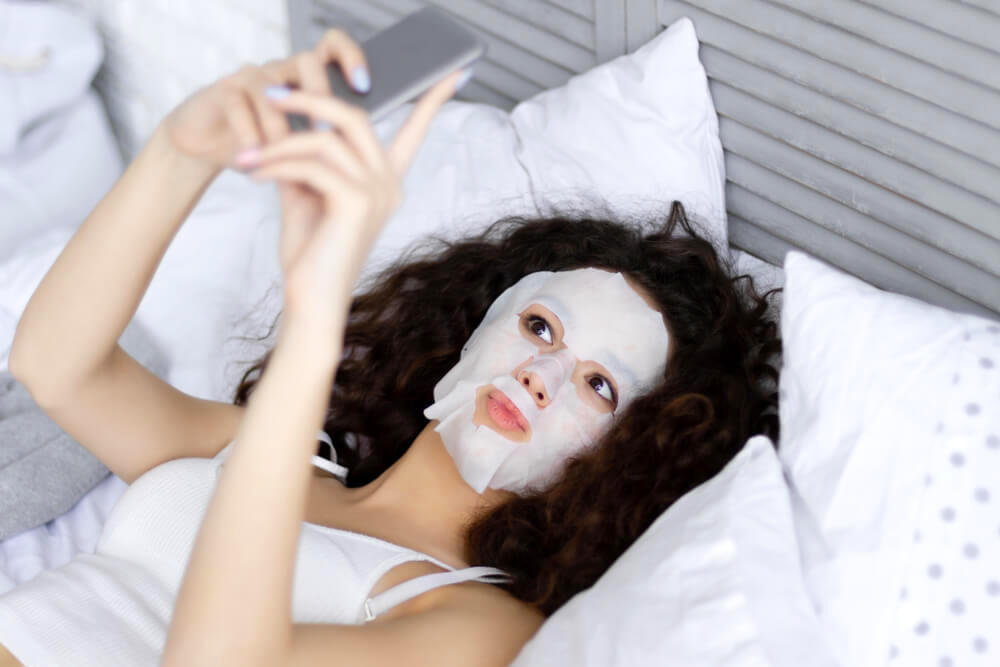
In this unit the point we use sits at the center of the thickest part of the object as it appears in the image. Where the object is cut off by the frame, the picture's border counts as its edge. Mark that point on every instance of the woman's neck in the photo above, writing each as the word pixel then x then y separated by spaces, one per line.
pixel 424 492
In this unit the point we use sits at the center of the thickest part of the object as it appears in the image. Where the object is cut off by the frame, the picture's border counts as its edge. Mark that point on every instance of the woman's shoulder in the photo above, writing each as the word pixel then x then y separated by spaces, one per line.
pixel 490 602
pixel 488 617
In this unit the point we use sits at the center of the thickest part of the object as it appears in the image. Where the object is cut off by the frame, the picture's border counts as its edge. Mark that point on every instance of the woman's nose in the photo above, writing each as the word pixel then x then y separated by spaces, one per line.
pixel 543 376
pixel 535 386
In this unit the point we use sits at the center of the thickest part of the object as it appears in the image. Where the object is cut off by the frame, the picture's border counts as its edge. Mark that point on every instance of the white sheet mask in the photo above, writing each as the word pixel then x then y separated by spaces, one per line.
pixel 603 320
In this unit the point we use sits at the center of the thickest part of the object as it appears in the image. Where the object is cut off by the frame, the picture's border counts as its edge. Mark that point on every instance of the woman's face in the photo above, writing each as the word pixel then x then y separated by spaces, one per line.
pixel 555 358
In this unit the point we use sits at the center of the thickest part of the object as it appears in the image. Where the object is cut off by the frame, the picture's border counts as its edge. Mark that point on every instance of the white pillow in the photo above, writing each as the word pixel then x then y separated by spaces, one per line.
pixel 890 421
pixel 714 581
pixel 57 153
pixel 626 137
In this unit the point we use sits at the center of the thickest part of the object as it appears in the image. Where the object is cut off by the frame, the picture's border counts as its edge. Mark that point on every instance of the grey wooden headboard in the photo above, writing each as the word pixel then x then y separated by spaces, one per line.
pixel 866 133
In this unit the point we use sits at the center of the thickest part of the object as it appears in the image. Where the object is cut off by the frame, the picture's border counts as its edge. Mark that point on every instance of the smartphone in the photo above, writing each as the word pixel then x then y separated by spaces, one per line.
pixel 404 61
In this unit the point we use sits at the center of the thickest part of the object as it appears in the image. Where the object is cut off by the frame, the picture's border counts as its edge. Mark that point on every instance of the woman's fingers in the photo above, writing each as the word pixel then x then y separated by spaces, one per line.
pixel 315 175
pixel 336 45
pixel 312 73
pixel 254 121
pixel 272 123
pixel 238 111
pixel 372 199
pixel 409 137
pixel 352 122
pixel 304 144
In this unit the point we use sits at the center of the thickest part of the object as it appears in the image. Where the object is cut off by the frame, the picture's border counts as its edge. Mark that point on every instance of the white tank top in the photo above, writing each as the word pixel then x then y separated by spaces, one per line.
pixel 113 607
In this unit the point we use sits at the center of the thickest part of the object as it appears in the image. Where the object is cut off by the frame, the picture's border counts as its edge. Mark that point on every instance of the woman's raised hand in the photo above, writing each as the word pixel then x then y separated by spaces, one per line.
pixel 218 121
pixel 337 187
pixel 355 185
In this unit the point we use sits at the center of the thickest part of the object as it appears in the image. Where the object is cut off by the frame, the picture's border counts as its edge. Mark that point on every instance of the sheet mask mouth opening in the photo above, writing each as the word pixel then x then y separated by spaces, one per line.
pixel 504 413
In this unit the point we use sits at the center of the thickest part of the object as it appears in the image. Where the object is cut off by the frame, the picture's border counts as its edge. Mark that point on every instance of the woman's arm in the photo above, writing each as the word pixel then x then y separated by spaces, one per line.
pixel 75 317
pixel 65 349
pixel 234 605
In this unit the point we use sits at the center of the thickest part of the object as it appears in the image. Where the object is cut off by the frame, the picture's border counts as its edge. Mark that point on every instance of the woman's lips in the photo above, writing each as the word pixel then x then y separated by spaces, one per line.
pixel 504 412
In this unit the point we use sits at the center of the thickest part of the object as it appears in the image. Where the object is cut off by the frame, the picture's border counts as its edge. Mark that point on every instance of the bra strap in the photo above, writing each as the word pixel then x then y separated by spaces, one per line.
pixel 407 590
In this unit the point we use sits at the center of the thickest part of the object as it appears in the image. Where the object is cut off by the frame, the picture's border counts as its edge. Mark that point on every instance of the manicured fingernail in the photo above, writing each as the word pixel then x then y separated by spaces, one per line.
pixel 247 157
pixel 360 79
pixel 277 92
pixel 463 79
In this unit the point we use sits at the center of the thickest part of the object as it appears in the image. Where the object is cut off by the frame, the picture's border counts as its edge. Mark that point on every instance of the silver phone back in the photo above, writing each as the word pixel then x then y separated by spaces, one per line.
pixel 406 59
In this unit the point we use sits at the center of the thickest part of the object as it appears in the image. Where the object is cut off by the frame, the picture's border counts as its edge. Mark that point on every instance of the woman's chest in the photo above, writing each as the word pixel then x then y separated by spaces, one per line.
pixel 156 523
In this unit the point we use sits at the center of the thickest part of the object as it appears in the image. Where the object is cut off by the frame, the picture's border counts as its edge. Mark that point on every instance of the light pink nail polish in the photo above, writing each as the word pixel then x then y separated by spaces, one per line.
pixel 248 156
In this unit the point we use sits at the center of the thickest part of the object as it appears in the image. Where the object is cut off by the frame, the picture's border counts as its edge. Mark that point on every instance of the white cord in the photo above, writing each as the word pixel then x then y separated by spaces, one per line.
pixel 338 471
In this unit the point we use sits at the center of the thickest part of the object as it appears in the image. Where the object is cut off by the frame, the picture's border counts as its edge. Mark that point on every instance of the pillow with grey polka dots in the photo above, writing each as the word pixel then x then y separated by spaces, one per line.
pixel 890 422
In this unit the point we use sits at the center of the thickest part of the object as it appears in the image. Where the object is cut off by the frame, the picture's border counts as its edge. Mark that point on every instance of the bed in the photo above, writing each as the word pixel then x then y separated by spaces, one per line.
pixel 849 152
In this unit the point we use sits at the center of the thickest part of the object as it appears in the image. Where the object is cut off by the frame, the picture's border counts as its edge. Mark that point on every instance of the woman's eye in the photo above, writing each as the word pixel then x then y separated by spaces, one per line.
pixel 603 388
pixel 540 328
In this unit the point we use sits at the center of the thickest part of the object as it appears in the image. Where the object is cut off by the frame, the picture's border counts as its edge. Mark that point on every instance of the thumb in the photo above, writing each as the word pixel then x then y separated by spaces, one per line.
pixel 411 135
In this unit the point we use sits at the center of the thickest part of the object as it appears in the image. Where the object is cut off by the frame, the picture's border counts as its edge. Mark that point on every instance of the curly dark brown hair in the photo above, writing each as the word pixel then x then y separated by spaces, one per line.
pixel 718 388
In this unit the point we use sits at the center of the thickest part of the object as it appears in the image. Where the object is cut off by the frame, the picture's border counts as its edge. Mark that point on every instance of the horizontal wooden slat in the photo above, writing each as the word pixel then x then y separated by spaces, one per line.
pixel 757 241
pixel 921 258
pixel 609 29
pixel 991 6
pixel 560 22
pixel 366 17
pixel 919 116
pixel 864 133
pixel 949 200
pixel 582 8
pixel 888 138
pixel 843 253
pixel 862 56
pixel 641 23
pixel 508 84
pixel 966 23
pixel 477 91
pixel 907 37
pixel 880 205
pixel 538 41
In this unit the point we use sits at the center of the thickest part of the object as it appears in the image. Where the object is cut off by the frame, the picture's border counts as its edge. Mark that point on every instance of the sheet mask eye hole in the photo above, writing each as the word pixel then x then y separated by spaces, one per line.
pixel 602 387
pixel 540 328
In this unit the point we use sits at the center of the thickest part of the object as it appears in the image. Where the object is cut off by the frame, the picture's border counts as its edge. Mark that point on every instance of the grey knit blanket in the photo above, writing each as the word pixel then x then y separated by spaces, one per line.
pixel 43 471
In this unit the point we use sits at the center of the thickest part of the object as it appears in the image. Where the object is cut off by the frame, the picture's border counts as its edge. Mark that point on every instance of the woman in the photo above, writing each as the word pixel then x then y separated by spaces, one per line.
pixel 513 411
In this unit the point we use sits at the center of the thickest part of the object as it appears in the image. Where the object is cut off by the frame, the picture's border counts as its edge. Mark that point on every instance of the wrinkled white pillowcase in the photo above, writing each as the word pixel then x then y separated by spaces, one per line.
pixel 890 420
pixel 715 581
